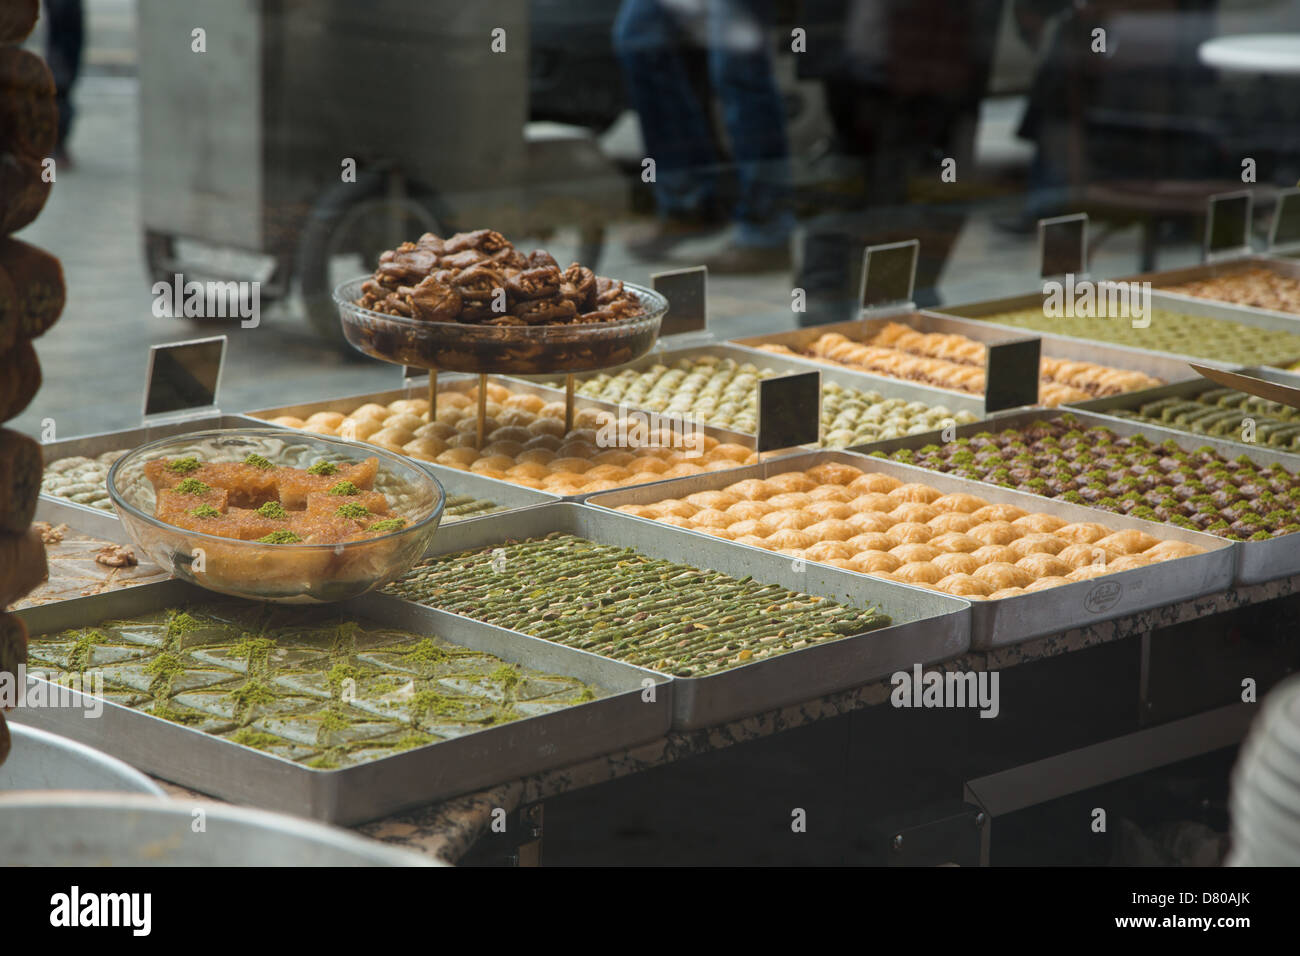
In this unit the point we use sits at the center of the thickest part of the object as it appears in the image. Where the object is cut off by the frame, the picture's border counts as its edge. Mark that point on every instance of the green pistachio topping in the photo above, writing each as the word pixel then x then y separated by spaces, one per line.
pixel 388 524
pixel 258 461
pixel 353 510
pixel 183 466
pixel 273 509
pixel 345 488
pixel 205 511
pixel 192 486
pixel 323 467
pixel 283 536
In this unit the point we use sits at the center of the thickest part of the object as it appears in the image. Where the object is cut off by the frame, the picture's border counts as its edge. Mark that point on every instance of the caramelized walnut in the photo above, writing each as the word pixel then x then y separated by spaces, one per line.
pixel 435 301
pixel 405 265
pixel 539 283
pixel 545 311
pixel 486 241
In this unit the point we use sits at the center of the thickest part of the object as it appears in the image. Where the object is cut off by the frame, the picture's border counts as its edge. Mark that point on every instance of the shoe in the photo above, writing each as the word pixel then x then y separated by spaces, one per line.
pixel 668 234
pixel 745 260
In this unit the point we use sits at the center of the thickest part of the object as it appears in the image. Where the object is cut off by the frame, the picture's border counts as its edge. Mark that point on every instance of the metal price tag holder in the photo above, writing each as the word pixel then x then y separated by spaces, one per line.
pixel 789 411
pixel 1227 226
pixel 687 292
pixel 1272 391
pixel 1011 374
pixel 1284 234
pixel 888 278
pixel 182 381
pixel 1063 246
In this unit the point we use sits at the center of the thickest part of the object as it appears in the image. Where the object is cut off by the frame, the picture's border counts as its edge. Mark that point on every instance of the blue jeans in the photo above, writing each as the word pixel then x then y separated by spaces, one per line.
pixel 675 124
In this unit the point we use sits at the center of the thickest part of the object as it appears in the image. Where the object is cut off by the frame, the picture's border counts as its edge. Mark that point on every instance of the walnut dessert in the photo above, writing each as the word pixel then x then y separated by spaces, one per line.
pixel 481 278
pixel 474 303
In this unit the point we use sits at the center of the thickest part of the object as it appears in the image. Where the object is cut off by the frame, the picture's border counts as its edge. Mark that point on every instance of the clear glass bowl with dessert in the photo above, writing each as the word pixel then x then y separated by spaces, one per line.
pixel 261 514
pixel 474 303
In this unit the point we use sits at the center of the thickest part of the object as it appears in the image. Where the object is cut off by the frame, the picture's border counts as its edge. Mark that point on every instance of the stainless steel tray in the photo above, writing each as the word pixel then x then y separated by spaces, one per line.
pixel 104 524
pixel 1163 366
pixel 785 365
pixel 1132 400
pixel 517 496
pixel 1014 619
pixel 974 312
pixel 44 761
pixel 927 626
pixel 1257 561
pixel 363 792
pixel 72 828
pixel 1163 298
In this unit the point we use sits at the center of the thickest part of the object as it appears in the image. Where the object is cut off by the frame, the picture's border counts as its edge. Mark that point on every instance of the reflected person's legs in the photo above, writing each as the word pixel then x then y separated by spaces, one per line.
pixel 740 70
pixel 674 123
pixel 65 32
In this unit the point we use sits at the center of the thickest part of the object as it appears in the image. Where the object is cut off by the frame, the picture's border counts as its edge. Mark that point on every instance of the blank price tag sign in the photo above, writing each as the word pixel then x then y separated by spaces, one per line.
pixel 688 303
pixel 1063 246
pixel 1284 236
pixel 889 274
pixel 184 375
pixel 1011 375
pixel 789 411
pixel 1227 225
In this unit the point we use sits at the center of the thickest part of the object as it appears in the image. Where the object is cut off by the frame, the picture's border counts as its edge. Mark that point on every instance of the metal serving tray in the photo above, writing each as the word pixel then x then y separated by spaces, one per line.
pixel 1257 561
pixel 104 524
pixel 1133 400
pixel 928 626
pixel 974 312
pixel 785 365
pixel 379 787
pixel 1163 298
pixel 517 496
pixel 1158 364
pixel 1014 619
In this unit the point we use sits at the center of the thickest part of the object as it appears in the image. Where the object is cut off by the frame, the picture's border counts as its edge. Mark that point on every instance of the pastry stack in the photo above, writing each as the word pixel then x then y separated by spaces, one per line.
pixel 948 360
pixel 31 298
pixel 913 533
pixel 525 442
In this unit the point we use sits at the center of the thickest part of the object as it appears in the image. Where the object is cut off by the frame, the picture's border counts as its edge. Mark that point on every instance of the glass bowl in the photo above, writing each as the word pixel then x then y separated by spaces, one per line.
pixel 284 573
pixel 499 349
